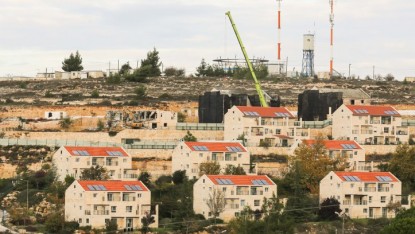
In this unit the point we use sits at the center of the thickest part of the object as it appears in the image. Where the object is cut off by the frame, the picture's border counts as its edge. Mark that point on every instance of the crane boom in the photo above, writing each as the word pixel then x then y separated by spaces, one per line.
pixel 257 85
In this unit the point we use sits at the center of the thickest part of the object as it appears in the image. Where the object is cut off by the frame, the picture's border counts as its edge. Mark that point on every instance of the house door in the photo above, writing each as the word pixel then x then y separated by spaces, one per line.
pixel 370 212
pixel 129 223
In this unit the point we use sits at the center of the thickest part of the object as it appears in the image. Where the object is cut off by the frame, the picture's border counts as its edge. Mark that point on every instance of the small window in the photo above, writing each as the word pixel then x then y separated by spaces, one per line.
pixel 94 195
pixel 87 220
pixel 346 210
pixel 355 152
pixel 80 207
pixel 138 194
pixel 364 210
pixel 224 189
pixel 382 199
pixel 256 202
pixel 128 209
pixel 351 185
pixel 80 221
pixel 165 124
pixel 331 177
pixel 113 209
pixel 266 189
pixel 203 180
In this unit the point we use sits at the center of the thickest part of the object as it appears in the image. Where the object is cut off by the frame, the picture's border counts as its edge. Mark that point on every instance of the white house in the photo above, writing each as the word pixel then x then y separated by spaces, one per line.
pixel 95 203
pixel 72 160
pixel 272 126
pixel 364 194
pixel 376 125
pixel 239 191
pixel 189 155
pixel 55 115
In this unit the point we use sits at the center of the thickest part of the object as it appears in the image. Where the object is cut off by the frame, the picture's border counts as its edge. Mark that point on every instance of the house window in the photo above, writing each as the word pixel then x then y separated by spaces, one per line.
pixel 382 199
pixel 201 155
pixel 128 209
pixel 239 155
pixel 138 194
pixel 266 189
pixel 94 195
pixel 256 202
pixel 224 189
pixel 113 209
pixel 355 153
pixel 351 185
pixel 227 157
pixel 203 180
pixel 370 199
pixel 165 124
pixel 277 131
pixel 80 220
pixel 242 203
pixel 77 160
pixel 386 130
pixel 214 157
pixel 364 210
pixel 346 210
pixel 80 207
pixel 87 220
pixel 109 196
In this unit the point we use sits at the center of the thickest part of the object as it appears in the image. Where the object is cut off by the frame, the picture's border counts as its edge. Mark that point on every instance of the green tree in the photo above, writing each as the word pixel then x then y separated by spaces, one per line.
pixel 329 209
pixel 179 177
pixel 125 69
pixel 114 79
pixel 181 118
pixel 66 123
pixel 209 168
pixel 201 70
pixel 73 63
pixel 402 224
pixel 111 226
pixel 95 93
pixel 140 92
pixel 145 178
pixel 100 125
pixel 234 170
pixel 94 173
pixel 150 67
pixel 172 71
pixel 402 165
pixel 146 221
pixel 315 163
pixel 189 137
pixel 69 180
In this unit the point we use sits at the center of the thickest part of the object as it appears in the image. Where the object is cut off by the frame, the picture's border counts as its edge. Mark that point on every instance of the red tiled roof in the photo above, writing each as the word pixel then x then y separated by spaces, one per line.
pixel 373 110
pixel 215 146
pixel 334 144
pixel 96 151
pixel 366 176
pixel 240 179
pixel 111 185
pixel 265 111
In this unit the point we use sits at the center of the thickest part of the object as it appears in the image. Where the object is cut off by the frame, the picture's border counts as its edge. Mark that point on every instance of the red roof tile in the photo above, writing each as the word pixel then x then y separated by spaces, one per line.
pixel 366 176
pixel 96 151
pixel 240 179
pixel 215 146
pixel 273 112
pixel 334 144
pixel 373 110
pixel 111 185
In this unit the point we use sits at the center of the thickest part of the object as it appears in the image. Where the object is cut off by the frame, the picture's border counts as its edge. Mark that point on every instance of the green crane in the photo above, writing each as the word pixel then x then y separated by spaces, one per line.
pixel 257 85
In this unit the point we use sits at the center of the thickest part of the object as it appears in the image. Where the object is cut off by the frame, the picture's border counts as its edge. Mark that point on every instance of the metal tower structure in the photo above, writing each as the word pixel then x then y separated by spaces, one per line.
pixel 308 56
pixel 331 35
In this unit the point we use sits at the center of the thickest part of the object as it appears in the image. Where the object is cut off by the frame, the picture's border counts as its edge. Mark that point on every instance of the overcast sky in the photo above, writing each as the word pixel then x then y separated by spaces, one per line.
pixel 39 34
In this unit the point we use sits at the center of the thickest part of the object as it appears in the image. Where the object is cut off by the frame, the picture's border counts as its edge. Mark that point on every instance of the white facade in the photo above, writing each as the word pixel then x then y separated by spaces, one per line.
pixel 364 194
pixel 94 203
pixel 189 155
pixel 273 126
pixel 72 160
pixel 308 42
pixel 239 191
pixel 376 125
pixel 55 115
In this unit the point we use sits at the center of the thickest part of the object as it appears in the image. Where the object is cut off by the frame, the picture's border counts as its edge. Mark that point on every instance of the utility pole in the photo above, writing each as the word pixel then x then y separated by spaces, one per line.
pixel 118 66
pixel 373 73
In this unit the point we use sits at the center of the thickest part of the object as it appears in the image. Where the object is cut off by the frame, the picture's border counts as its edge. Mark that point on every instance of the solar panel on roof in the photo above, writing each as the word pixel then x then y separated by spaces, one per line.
pixel 346 178
pixel 386 178
pixel 379 178
pixel 353 146
pixel 137 188
pixel 254 182
pixel 219 181
pixel 264 182
pixel 102 187
pixel 75 152
pixel 90 187
pixel 255 113
pixel 238 149
pixel 126 186
pixel 96 187
pixel 356 178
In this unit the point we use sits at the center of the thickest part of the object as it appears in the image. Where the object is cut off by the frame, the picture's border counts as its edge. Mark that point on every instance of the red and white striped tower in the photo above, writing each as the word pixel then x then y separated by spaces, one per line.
pixel 279 30
pixel 331 35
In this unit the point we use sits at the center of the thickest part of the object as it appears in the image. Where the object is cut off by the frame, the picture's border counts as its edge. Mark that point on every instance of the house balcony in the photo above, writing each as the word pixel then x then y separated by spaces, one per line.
pixel 370 189
pixel 101 212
